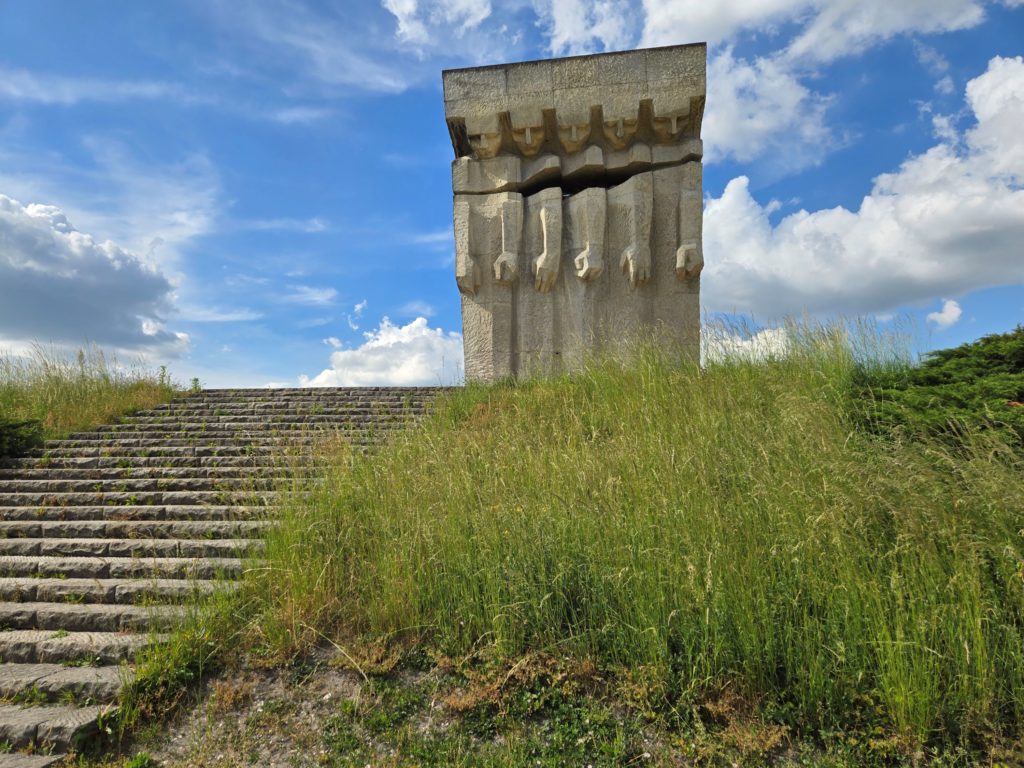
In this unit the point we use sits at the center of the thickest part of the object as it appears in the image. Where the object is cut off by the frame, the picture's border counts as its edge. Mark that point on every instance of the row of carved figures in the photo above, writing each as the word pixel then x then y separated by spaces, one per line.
pixel 485 136
pixel 589 211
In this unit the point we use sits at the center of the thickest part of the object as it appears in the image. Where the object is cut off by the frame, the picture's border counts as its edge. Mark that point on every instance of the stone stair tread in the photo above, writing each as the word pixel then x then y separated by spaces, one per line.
pixel 145 473
pixel 58 726
pixel 129 529
pixel 28 646
pixel 161 452
pixel 111 547
pixel 116 567
pixel 98 684
pixel 84 617
pixel 119 591
pixel 150 512
pixel 114 498
pixel 133 484
pixel 259 463
pixel 21 760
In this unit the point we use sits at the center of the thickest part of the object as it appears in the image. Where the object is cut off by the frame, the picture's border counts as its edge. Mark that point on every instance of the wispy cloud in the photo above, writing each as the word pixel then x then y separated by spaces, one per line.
pixel 214 315
pixel 322 46
pixel 300 115
pixel 310 226
pixel 357 312
pixel 42 88
pixel 152 208
pixel 310 295
pixel 417 308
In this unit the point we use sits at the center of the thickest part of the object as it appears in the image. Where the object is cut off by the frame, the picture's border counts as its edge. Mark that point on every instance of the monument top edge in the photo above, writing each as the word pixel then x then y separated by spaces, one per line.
pixel 579 57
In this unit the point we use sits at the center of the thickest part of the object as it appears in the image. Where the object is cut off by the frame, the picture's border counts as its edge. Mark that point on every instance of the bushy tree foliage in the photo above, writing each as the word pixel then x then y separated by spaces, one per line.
pixel 977 385
pixel 18 437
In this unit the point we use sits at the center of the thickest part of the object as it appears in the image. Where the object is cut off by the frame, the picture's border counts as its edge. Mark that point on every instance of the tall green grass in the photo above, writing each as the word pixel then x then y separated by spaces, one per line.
pixel 728 526
pixel 65 393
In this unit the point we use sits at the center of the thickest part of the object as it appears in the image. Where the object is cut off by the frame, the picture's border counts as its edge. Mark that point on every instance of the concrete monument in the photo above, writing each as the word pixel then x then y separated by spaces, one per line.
pixel 578 206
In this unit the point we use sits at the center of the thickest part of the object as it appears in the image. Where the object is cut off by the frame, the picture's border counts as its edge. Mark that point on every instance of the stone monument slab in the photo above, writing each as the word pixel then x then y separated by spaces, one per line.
pixel 577 206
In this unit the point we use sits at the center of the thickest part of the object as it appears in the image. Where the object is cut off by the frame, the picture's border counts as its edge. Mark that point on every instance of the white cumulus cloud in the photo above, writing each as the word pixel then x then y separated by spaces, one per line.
pixel 58 284
pixel 947 222
pixel 760 107
pixel 392 355
pixel 947 316
pixel 416 17
pixel 720 343
pixel 827 29
pixel 765 107
pixel 579 26
pixel 841 27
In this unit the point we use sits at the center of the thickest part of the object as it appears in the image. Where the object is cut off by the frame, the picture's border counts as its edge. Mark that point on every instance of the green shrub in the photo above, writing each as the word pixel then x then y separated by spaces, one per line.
pixel 975 386
pixel 19 437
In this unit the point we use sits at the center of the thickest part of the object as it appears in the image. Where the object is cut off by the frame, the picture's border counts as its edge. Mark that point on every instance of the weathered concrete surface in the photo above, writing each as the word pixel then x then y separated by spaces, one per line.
pixel 577 206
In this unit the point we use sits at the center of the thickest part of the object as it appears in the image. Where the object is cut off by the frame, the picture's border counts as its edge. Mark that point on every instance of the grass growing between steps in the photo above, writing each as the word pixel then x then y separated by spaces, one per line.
pixel 63 394
pixel 728 546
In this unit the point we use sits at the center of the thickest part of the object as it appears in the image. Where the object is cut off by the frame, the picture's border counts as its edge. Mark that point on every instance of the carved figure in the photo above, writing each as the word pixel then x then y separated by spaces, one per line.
pixel 506 266
pixel 546 265
pixel 558 164
pixel 589 212
pixel 636 259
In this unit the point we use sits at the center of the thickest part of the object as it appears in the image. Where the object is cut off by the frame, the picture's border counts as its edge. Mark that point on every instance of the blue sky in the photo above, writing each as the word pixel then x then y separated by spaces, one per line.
pixel 259 192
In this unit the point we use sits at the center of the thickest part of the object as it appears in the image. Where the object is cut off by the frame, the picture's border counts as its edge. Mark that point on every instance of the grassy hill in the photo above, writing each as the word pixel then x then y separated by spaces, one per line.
pixel 786 560
pixel 46 395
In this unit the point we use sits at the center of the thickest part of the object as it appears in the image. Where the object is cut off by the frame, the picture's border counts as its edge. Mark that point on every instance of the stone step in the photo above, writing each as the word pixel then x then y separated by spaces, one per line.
pixel 254 421
pixel 38 683
pixel 131 529
pixel 53 729
pixel 149 473
pixel 84 617
pixel 281 410
pixel 141 498
pixel 23 760
pixel 38 646
pixel 134 485
pixel 169 512
pixel 185 438
pixel 161 452
pixel 244 442
pixel 120 567
pixel 240 431
pixel 110 591
pixel 347 394
pixel 259 463
pixel 77 547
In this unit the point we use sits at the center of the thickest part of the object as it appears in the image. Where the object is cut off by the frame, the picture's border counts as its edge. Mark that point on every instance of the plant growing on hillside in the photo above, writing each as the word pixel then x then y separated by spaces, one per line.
pixel 976 386
pixel 18 437
pixel 63 394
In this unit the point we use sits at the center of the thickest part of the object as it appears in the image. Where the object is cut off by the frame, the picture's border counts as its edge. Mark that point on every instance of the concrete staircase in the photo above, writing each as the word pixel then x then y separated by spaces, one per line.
pixel 104 535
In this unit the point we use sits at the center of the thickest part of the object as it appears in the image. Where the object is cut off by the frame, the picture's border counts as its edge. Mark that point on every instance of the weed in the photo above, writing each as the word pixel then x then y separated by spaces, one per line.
pixel 141 760
pixel 30 697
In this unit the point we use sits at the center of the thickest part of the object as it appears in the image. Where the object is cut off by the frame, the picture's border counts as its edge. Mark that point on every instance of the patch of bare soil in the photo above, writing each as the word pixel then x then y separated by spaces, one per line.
pixel 255 717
